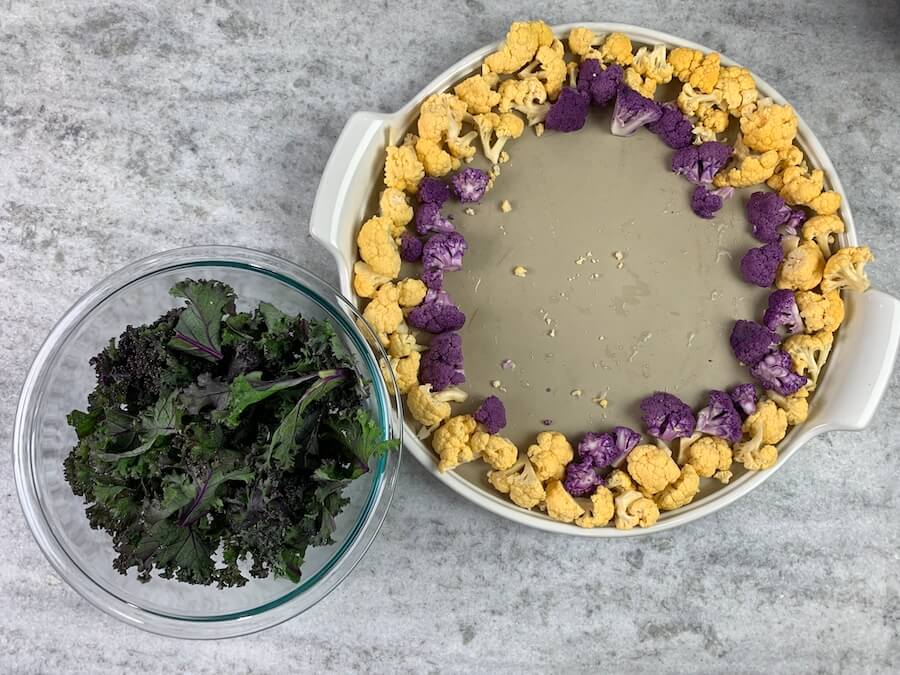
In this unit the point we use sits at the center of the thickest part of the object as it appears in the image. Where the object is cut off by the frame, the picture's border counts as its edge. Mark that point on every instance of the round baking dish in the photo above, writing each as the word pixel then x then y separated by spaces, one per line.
pixel 864 351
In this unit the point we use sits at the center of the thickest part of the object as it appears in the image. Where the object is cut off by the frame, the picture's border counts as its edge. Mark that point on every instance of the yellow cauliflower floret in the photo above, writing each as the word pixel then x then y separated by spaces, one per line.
pixel 522 41
pixel 616 49
pixel 431 408
pixel 394 205
pixel 757 459
pixel 619 481
pixel 821 312
pixel 406 372
pixel 802 268
pixel 795 186
pixel 847 269
pixel 633 510
pixel 684 61
pixel 651 467
pixel 560 504
pixel 705 76
pixel 826 203
pixel 402 168
pixel 383 312
pixel 582 41
pixel 436 161
pixel 767 425
pixel 477 92
pixel 809 354
pixel 646 87
pixel 681 491
pixel 790 156
pixel 526 96
pixel 377 246
pixel 366 281
pixel 708 455
pixel 436 115
pixel 412 292
pixel 751 170
pixel 652 64
pixel 504 127
pixel 771 127
pixel 602 509
pixel 520 482
pixel 402 344
pixel 497 451
pixel 549 67
pixel 550 455
pixel 795 406
pixel 689 100
pixel 737 89
pixel 822 230
pixel 712 118
pixel 451 442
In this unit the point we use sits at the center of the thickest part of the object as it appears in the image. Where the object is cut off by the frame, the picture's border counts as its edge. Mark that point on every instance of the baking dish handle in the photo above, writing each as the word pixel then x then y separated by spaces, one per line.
pixel 865 353
pixel 337 190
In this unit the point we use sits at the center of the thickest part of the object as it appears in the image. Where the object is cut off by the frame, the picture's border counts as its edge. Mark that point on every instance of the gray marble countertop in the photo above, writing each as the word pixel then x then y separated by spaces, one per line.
pixel 131 127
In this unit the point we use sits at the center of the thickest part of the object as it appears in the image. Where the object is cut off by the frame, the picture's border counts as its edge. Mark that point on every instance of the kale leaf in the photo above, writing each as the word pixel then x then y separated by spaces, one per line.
pixel 199 328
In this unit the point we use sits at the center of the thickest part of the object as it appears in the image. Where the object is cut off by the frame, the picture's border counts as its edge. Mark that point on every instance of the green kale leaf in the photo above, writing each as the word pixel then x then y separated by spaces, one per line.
pixel 199 328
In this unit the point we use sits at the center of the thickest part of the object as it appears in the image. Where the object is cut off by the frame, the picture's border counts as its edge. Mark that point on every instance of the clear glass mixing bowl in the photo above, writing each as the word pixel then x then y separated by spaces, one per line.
pixel 59 381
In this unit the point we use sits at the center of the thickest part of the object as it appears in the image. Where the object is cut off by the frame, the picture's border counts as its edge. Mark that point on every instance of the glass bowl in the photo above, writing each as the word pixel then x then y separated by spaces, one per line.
pixel 59 381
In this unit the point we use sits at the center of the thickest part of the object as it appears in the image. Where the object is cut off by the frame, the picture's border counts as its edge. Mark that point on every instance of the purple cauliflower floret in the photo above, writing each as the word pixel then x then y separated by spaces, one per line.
pixel 410 247
pixel 783 311
pixel 601 84
pixel 570 111
pixel 707 203
pixel 791 227
pixel 766 211
pixel 436 314
pixel 750 341
pixel 444 252
pixel 430 219
pixel 626 440
pixel 469 185
pixel 441 365
pixel 760 265
pixel 700 163
pixel 632 111
pixel 588 73
pixel 600 448
pixel 433 278
pixel 492 414
pixel 433 191
pixel 672 127
pixel 745 398
pixel 774 372
pixel 719 417
pixel 667 417
pixel 582 478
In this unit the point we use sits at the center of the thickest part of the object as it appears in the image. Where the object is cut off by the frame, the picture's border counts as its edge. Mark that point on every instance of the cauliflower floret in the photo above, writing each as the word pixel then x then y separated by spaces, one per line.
pixel 766 426
pixel 826 203
pixel 521 483
pixel 582 41
pixel 771 127
pixel 712 118
pixel 790 156
pixel 366 281
pixel 522 41
pixel 503 126
pixel 756 459
pixel 550 455
pixel 602 509
pixel 737 89
pixel 619 481
pixel 497 451
pixel 809 354
pixel 383 312
pixel 402 344
pixel 526 96
pixel 822 230
pixel 795 186
pixel 616 49
pixel 412 292
pixel 634 509
pixel 802 268
pixel 684 61
pixel 559 504
pixel 646 87
pixel 402 169
pixel 705 76
pixel 821 312
pixel 690 100
pixel 394 205
pixel 795 406
pixel 708 455
pixel 550 68
pixel 477 92
pixel 652 64
pixel 377 246
pixel 430 409
pixel 436 114
pixel 652 467
pixel 436 160
pixel 451 442
pixel 680 492
pixel 846 269
pixel 406 372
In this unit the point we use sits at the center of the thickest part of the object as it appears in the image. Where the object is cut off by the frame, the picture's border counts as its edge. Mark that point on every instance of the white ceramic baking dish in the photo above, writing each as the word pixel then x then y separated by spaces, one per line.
pixel 860 364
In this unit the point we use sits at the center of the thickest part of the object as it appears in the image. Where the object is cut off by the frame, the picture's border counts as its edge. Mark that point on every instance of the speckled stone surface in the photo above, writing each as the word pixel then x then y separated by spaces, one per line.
pixel 133 127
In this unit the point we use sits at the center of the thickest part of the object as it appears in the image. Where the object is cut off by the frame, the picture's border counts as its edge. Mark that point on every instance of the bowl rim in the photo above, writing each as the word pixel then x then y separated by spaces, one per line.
pixel 349 551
